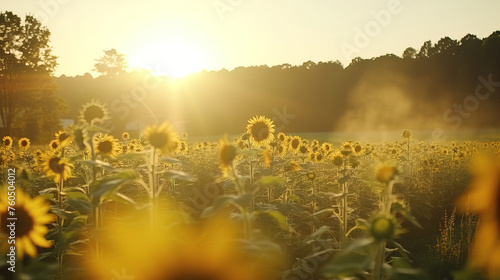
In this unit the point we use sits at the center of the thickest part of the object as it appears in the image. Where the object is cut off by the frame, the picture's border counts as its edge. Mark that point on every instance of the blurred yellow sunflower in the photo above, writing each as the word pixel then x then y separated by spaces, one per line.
pixel 210 249
pixel 63 138
pixel 24 143
pixel 93 112
pixel 261 130
pixel 162 137
pixel 125 135
pixel 407 134
pixel 32 214
pixel 7 142
pixel 55 167
pixel 107 145
pixel 386 173
pixel 483 197
pixel 227 155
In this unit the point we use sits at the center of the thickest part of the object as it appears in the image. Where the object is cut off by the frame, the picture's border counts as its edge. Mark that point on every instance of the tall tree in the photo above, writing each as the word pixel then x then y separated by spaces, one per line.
pixel 26 66
pixel 111 64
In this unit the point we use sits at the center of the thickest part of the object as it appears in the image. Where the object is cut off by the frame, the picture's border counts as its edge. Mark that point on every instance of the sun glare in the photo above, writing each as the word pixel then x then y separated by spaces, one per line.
pixel 173 57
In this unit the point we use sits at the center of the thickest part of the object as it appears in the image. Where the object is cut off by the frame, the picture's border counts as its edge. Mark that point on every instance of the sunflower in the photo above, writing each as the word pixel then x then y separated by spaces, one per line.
pixel 483 197
pixel 227 155
pixel 295 143
pixel 55 167
pixel 125 135
pixel 63 138
pixel 32 214
pixel 338 160
pixel 386 173
pixel 261 130
pixel 107 145
pixel 93 112
pixel 163 137
pixel 7 142
pixel 24 143
pixel 407 134
pixel 80 135
pixel 282 137
pixel 54 145
pixel 210 249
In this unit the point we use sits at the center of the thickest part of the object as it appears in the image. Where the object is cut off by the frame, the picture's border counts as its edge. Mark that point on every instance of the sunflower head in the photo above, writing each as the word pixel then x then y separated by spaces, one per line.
pixel 107 145
pixel 338 160
pixel 125 136
pixel 64 138
pixel 227 155
pixel 162 137
pixel 311 175
pixel 34 214
pixel 386 173
pixel 80 135
pixel 383 228
pixel 261 130
pixel 93 112
pixel 7 142
pixel 406 134
pixel 55 167
pixel 54 145
pixel 24 143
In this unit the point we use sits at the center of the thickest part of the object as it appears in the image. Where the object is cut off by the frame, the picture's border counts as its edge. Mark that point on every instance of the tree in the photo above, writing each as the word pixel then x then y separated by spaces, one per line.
pixel 410 53
pixel 111 64
pixel 26 66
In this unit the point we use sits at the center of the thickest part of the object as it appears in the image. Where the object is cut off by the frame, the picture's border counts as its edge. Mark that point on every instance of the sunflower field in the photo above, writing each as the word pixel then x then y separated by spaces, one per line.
pixel 259 205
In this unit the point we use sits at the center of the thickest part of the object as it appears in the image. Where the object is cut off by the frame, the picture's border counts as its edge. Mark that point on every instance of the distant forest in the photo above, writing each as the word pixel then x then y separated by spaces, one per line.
pixel 452 84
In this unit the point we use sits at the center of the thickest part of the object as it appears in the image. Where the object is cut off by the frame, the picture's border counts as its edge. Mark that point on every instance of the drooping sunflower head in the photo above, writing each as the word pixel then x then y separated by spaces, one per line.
pixel 107 145
pixel 24 143
pixel 63 138
pixel 55 167
pixel 383 228
pixel 32 215
pixel 386 173
pixel 93 112
pixel 227 155
pixel 261 130
pixel 80 136
pixel 162 137
pixel 7 142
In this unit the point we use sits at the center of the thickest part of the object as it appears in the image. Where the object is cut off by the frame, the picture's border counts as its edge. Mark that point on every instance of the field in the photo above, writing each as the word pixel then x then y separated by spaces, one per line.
pixel 259 205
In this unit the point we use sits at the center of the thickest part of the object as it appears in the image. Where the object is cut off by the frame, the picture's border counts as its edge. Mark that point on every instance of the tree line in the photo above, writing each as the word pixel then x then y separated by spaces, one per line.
pixel 432 87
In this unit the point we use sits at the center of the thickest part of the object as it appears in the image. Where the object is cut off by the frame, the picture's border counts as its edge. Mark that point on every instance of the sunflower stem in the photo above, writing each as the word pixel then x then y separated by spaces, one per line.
pixel 60 222
pixel 241 191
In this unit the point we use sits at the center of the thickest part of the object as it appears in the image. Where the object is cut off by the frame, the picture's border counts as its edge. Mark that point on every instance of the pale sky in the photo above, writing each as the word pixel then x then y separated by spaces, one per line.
pixel 192 34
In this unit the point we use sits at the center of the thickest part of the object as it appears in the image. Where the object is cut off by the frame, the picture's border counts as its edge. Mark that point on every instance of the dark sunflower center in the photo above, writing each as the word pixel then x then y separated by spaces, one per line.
pixel 24 143
pixel 158 140
pixel 55 166
pixel 93 112
pixel 295 144
pixel 6 142
pixel 357 149
pixel 260 131
pixel 55 145
pixel 303 149
pixel 22 229
pixel 105 147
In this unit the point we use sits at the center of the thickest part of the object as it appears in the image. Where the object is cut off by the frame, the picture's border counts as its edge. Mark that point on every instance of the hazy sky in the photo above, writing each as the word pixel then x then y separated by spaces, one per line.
pixel 214 34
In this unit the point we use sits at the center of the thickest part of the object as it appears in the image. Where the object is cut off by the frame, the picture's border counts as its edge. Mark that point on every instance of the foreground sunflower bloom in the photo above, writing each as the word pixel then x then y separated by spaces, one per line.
pixel 162 137
pixel 261 130
pixel 483 197
pixel 208 250
pixel 55 167
pixel 34 214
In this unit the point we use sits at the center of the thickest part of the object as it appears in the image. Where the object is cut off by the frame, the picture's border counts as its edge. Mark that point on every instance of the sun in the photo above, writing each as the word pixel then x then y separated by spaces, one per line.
pixel 174 57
